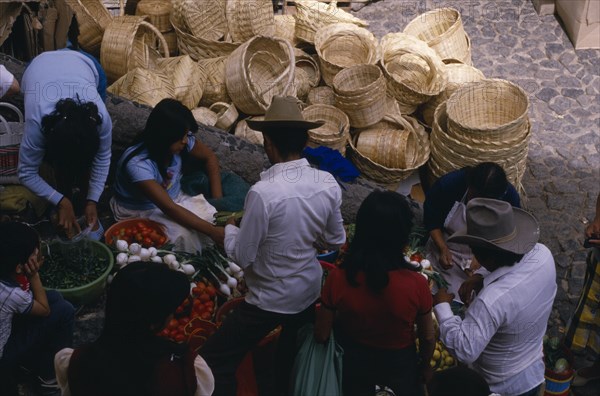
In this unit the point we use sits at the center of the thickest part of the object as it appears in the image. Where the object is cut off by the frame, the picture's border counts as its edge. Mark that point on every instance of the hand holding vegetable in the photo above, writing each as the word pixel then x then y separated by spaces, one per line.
pixel 66 218
pixel 470 288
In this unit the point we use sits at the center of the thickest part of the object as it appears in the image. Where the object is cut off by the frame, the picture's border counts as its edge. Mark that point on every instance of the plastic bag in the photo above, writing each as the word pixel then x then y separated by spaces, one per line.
pixel 318 367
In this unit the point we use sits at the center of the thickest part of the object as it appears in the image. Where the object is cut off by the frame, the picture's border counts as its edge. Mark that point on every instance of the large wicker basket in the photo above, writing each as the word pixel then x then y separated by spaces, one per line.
pixel 259 69
pixel 93 18
pixel 442 30
pixel 124 45
pixel 143 86
pixel 360 92
pixel 202 19
pixel 312 15
pixel 342 45
pixel 215 89
pixel 187 77
pixel 242 130
pixel 201 48
pixel 227 115
pixel 321 95
pixel 246 19
pixel 414 72
pixel 158 12
pixel 334 134
pixel 382 174
pixel 285 26
pixel 311 66
pixel 204 115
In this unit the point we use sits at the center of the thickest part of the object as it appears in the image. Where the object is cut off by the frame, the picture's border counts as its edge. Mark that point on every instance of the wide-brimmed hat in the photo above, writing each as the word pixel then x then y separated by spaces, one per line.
pixel 284 113
pixel 495 224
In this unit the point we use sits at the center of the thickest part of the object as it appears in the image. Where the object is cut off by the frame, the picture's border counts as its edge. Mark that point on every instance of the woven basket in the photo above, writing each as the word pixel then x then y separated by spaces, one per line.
pixel 259 69
pixel 442 29
pixel 285 26
pixel 187 77
pixel 360 92
pixel 200 48
pixel 227 115
pixel 158 12
pixel 384 175
pixel 414 72
pixel 321 95
pixel 490 110
pixel 334 134
pixel 171 39
pixel 93 18
pixel 301 86
pixel 242 130
pixel 342 45
pixel 11 134
pixel 389 144
pixel 312 15
pixel 458 75
pixel 310 65
pixel 124 45
pixel 246 19
pixel 215 89
pixel 204 115
pixel 203 19
pixel 143 86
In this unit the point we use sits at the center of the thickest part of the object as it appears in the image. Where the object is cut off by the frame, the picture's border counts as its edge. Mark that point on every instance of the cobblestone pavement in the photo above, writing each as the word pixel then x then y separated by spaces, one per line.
pixel 511 41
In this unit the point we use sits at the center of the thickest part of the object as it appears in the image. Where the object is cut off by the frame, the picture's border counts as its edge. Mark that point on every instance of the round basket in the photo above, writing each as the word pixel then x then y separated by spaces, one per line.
pixel 458 75
pixel 256 71
pixel 227 115
pixel 187 77
pixel 342 45
pixel 382 174
pixel 201 48
pixel 93 18
pixel 158 12
pixel 124 47
pixel 334 133
pixel 201 19
pixel 388 144
pixel 246 19
pixel 359 91
pixel 204 115
pixel 310 66
pixel 285 26
pixel 490 110
pixel 312 15
pixel 414 72
pixel 442 29
pixel 143 86
pixel 215 89
pixel 301 84
pixel 321 95
pixel 242 130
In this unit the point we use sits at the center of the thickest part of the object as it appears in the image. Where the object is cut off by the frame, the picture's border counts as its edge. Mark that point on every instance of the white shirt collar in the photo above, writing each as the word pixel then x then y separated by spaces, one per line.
pixel 282 167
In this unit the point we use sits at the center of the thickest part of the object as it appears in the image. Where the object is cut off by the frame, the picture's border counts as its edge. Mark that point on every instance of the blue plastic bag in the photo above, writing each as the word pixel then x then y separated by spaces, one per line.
pixel 318 367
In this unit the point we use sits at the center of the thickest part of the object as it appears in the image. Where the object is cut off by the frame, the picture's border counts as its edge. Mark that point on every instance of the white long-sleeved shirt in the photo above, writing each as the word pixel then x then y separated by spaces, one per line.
pixel 50 77
pixel 501 334
pixel 285 213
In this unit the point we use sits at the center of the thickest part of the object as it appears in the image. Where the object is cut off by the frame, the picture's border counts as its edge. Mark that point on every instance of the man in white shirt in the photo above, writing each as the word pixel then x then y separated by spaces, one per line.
pixel 291 208
pixel 501 334
pixel 8 83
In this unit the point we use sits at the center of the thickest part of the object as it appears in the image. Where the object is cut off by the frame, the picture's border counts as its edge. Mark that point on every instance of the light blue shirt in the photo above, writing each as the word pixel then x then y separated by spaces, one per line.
pixel 50 77
pixel 140 168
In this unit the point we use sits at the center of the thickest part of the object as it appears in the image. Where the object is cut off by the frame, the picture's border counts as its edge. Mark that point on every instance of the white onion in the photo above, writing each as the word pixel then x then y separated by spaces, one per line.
pixel 122 258
pixel 174 265
pixel 122 245
pixel 135 248
pixel 425 263
pixel 232 282
pixel 144 254
pixel 188 269
pixel 169 258
pixel 133 258
pixel 153 251
pixel 156 259
pixel 225 289
pixel 234 267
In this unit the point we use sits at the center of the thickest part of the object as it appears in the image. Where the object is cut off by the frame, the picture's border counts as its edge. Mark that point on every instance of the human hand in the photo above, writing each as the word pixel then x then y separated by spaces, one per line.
pixel 473 266
pixel 33 264
pixel 445 257
pixel 592 231
pixel 470 288
pixel 91 213
pixel 218 235
pixel 66 218
pixel 442 296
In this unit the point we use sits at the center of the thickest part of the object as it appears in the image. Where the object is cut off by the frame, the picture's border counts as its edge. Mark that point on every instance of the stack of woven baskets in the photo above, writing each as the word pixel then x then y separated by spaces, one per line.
pixel 159 14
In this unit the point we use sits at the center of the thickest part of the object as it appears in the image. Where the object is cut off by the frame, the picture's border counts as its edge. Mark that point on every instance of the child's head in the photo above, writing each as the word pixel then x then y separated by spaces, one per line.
pixel 17 242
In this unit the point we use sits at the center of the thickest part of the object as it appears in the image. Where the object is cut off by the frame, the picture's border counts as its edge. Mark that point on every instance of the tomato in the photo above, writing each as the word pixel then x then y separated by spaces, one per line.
pixel 164 333
pixel 179 338
pixel 162 240
pixel 209 304
pixel 201 286
pixel 211 291
pixel 173 333
pixel 179 310
pixel 140 225
pixel 183 321
pixel 204 297
pixel 147 242
pixel 205 316
pixel 416 257
pixel 186 302
pixel 196 291
pixel 180 328
pixel 173 323
pixel 197 303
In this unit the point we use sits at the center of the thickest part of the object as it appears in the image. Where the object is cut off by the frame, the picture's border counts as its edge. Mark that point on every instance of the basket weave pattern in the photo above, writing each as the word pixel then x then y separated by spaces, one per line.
pixel 187 77
pixel 158 12
pixel 334 134
pixel 215 89
pixel 93 18
pixel 203 19
pixel 143 86
pixel 246 19
pixel 11 134
pixel 312 15
pixel 200 48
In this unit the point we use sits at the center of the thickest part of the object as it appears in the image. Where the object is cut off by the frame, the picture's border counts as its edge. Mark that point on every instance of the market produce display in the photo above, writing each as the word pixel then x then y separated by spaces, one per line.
pixel 145 232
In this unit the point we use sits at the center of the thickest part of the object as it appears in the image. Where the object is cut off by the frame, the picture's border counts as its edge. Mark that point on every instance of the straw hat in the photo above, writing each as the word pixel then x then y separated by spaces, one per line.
pixel 495 224
pixel 284 112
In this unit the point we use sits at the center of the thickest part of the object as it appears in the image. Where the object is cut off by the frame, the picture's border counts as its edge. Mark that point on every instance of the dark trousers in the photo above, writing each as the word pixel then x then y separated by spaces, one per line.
pixel 365 366
pixel 534 392
pixel 34 340
pixel 242 331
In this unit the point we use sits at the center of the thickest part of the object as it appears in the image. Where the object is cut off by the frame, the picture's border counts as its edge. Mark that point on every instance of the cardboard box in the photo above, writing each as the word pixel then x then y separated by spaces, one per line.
pixel 544 7
pixel 582 21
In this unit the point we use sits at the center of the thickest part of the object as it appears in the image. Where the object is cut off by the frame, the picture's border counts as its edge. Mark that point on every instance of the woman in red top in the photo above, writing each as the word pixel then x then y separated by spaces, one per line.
pixel 375 299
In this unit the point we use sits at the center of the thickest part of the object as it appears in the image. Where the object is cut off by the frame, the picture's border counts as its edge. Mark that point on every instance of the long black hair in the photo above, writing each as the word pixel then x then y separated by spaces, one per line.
pixel 72 137
pixel 17 242
pixel 487 180
pixel 383 225
pixel 167 123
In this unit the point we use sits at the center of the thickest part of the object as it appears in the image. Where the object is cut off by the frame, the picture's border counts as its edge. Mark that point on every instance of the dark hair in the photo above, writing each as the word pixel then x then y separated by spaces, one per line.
pixel 73 33
pixel 167 123
pixel 17 242
pixel 487 180
pixel 383 225
pixel 140 299
pixel 72 138
pixel 459 380
pixel 290 141
pixel 501 258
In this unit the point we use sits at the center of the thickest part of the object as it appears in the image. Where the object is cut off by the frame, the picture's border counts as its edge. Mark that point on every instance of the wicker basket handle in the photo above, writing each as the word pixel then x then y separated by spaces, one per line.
pixel 3 120
pixel 290 70
pixel 158 34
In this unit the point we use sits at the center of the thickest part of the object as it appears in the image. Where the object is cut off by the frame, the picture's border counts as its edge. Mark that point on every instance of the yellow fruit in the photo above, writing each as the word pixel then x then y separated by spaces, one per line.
pixel 449 361
pixel 445 354
pixel 436 355
pixel 432 363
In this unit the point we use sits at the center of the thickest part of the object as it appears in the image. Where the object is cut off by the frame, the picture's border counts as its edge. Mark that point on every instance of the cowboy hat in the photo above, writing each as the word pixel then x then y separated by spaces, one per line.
pixel 284 112
pixel 495 224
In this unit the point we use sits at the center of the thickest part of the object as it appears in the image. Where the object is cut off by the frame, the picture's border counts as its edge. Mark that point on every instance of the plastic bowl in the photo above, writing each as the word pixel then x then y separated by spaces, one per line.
pixel 328 257
pixel 89 292
pixel 158 227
